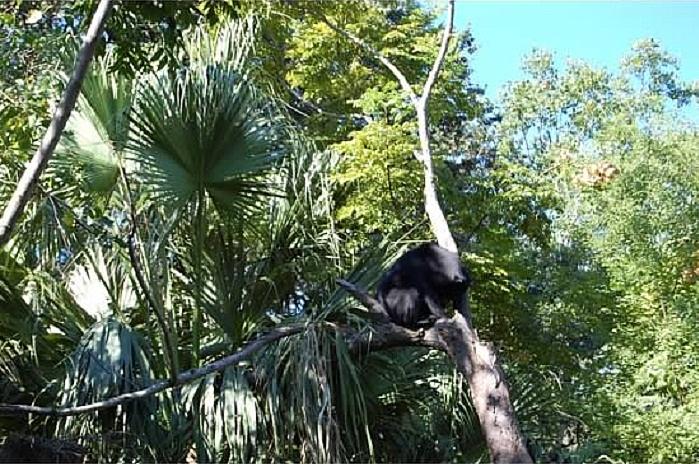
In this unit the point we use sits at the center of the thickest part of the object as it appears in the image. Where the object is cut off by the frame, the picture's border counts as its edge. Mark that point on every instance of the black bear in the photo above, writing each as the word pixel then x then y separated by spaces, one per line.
pixel 420 283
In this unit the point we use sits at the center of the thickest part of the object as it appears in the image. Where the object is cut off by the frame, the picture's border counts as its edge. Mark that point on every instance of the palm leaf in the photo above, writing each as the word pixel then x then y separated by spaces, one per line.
pixel 111 359
pixel 204 130
pixel 228 416
pixel 302 414
pixel 96 133
pixel 228 45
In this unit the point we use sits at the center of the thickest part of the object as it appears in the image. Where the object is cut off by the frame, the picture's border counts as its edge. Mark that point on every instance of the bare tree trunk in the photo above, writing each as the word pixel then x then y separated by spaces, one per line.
pixel 473 358
pixel 440 227
pixel 29 178
pixel 489 390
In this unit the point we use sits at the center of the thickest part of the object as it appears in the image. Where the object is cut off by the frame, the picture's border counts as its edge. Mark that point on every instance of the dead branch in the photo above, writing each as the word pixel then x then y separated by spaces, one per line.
pixel 161 385
pixel 439 61
pixel 379 337
pixel 371 303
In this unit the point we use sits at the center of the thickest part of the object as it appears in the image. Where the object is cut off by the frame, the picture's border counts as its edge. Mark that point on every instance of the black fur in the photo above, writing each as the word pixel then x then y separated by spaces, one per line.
pixel 420 283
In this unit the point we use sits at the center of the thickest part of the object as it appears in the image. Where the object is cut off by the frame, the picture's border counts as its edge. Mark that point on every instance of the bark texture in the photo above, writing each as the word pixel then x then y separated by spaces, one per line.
pixel 489 390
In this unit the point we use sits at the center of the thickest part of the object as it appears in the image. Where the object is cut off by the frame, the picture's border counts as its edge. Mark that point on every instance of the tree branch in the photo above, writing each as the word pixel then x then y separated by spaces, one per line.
pixel 161 385
pixel 386 334
pixel 443 47
pixel 434 211
pixel 378 55
pixel 371 303
pixel 31 174
pixel 132 241
pixel 389 335
pixel 381 336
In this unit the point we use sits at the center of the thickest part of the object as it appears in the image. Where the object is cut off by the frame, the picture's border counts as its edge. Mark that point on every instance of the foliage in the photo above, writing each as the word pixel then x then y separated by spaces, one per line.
pixel 251 156
pixel 622 238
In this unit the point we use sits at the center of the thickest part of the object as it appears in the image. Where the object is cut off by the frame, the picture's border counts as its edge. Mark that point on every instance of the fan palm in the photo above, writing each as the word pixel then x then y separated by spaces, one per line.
pixel 204 135
pixel 204 132
pixel 92 146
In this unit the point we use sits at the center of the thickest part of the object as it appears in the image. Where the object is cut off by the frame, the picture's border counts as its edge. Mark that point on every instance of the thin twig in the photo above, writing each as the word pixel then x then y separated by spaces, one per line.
pixel 443 47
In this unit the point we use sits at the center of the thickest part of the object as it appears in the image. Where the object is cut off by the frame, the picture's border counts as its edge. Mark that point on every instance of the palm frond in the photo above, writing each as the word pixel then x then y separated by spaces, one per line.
pixel 204 131
pixel 18 347
pixel 99 281
pixel 228 45
pixel 302 413
pixel 111 359
pixel 228 421
pixel 97 131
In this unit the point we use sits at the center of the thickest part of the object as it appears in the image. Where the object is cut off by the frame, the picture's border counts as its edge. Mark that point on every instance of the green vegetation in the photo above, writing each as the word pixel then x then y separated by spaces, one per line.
pixel 249 156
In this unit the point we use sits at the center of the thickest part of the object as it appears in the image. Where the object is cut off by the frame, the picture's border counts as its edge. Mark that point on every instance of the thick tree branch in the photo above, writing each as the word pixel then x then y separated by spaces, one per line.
pixel 478 363
pixel 31 174
pixel 388 335
pixel 385 334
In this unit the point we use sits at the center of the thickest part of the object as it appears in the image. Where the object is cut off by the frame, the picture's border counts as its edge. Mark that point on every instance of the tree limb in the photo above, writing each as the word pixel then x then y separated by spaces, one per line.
pixel 371 303
pixel 386 334
pixel 378 55
pixel 380 336
pixel 31 174
pixel 170 351
pixel 161 385
pixel 389 335
pixel 434 211
pixel 478 362
pixel 443 47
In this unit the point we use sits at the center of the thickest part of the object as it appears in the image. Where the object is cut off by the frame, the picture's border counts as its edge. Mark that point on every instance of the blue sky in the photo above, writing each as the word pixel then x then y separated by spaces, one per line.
pixel 598 32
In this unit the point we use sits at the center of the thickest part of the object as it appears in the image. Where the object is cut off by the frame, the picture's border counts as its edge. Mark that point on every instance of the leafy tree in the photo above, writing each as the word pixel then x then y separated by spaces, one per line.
pixel 622 237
